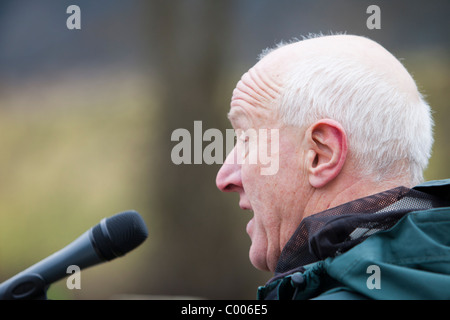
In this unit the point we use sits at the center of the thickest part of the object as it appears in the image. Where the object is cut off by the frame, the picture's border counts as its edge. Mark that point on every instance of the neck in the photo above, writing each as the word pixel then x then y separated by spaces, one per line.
pixel 346 189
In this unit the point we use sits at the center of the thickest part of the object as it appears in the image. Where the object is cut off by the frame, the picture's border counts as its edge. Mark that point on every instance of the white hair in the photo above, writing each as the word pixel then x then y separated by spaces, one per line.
pixel 389 131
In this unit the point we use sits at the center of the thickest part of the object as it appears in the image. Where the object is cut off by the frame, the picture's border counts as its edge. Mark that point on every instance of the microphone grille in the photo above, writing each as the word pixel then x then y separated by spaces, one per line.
pixel 119 234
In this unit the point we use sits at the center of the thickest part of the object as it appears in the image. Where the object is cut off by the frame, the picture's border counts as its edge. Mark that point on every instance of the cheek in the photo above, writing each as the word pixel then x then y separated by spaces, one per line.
pixel 265 194
pixel 276 197
pixel 257 187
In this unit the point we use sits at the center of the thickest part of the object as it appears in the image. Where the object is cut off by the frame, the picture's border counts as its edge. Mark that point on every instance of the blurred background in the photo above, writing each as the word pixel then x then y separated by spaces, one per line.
pixel 86 118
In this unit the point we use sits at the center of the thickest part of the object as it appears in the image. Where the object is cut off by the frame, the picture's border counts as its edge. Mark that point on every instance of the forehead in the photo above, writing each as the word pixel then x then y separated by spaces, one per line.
pixel 254 97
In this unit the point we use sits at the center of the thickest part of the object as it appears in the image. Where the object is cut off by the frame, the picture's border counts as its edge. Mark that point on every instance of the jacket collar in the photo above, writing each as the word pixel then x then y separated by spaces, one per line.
pixel 336 230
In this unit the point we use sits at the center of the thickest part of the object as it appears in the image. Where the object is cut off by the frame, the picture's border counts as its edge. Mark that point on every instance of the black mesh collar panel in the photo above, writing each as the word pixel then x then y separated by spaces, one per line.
pixel 336 230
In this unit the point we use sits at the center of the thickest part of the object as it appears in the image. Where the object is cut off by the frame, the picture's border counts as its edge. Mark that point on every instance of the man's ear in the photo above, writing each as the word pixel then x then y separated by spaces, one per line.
pixel 327 143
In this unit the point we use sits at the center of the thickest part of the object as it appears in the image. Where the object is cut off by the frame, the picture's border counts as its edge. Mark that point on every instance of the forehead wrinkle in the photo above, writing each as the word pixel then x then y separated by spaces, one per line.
pixel 246 92
pixel 270 88
pixel 256 88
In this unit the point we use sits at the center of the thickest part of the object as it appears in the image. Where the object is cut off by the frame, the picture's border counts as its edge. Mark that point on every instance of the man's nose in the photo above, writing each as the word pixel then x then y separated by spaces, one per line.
pixel 229 176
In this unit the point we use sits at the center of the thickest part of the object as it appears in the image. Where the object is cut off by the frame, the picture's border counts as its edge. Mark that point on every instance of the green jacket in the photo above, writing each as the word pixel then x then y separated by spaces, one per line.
pixel 411 260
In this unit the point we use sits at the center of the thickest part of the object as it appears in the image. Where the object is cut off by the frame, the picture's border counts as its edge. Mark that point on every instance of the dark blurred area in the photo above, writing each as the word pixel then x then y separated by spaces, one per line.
pixel 86 118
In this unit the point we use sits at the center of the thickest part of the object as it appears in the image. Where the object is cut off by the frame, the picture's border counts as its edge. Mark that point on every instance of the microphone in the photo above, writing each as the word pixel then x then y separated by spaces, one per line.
pixel 111 238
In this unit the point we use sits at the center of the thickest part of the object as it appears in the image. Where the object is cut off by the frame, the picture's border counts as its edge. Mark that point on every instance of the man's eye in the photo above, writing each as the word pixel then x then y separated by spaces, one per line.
pixel 243 134
pixel 242 143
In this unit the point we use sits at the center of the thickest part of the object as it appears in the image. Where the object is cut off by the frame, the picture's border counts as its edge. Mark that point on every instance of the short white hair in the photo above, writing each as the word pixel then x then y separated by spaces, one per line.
pixel 389 132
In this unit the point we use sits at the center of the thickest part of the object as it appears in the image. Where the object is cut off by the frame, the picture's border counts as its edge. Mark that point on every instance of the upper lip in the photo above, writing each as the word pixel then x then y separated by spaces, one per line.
pixel 244 206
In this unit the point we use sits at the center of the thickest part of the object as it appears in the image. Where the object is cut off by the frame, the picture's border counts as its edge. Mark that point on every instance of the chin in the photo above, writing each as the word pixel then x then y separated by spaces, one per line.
pixel 258 258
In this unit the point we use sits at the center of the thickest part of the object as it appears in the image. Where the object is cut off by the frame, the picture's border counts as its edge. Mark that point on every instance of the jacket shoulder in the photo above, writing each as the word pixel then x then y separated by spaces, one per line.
pixel 439 188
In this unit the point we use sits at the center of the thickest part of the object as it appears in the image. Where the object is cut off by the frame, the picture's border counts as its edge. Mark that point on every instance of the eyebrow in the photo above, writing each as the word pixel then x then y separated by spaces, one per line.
pixel 238 117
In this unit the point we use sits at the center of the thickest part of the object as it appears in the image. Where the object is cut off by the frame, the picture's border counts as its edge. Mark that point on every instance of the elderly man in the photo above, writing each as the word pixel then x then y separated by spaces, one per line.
pixel 340 218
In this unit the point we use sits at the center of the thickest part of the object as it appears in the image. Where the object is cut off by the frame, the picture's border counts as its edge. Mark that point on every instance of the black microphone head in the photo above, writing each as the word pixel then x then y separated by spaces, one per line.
pixel 119 234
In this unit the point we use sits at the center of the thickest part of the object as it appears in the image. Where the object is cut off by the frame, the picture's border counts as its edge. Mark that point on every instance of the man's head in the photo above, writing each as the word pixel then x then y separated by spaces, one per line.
pixel 350 123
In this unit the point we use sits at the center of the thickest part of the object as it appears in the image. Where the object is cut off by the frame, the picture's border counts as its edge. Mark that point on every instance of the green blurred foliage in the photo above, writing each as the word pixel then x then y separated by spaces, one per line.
pixel 72 152
pixel 430 69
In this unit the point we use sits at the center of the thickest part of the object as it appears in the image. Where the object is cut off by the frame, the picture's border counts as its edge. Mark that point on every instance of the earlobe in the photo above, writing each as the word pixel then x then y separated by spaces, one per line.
pixel 327 153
